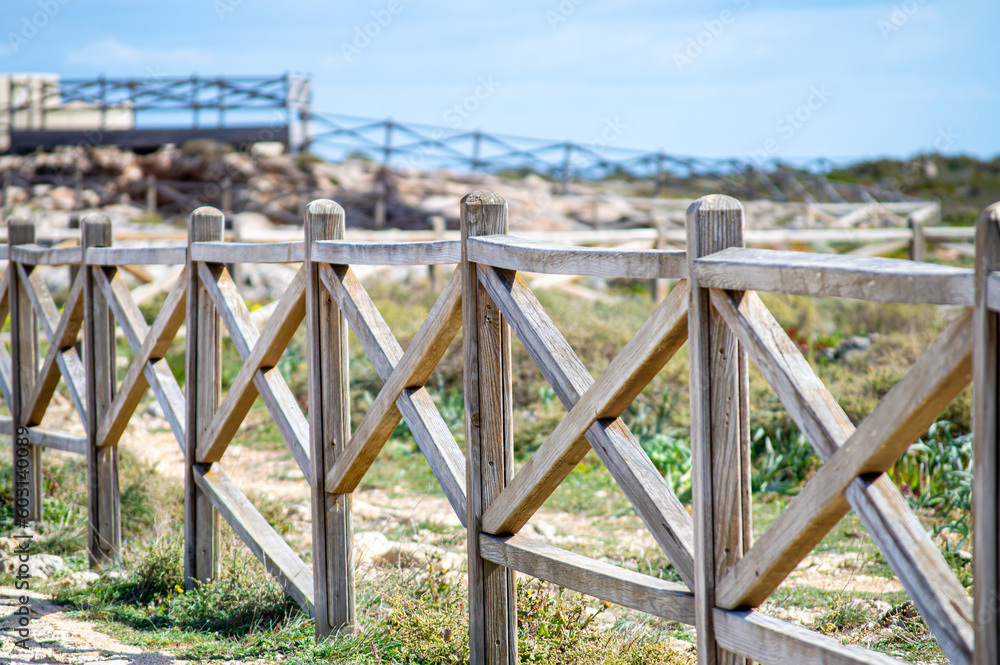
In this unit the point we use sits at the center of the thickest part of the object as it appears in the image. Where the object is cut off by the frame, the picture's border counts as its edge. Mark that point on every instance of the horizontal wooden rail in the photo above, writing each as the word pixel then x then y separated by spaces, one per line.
pixel 248 252
pixel 993 291
pixel 349 252
pixel 33 255
pixel 49 438
pixel 136 256
pixel 516 253
pixel 836 276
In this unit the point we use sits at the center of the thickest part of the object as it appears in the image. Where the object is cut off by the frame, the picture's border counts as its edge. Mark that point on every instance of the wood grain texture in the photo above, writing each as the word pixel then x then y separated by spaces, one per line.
pixel 771 641
pixel 431 252
pixel 270 549
pixel 412 371
pixel 902 416
pixel 268 382
pixel 652 595
pixel 63 341
pixel 514 253
pixel 99 351
pixel 629 372
pixel 248 252
pixel 148 359
pixel 33 255
pixel 429 429
pixel 137 256
pixel 986 436
pixel 329 430
pixel 22 367
pixel 836 276
pixel 265 350
pixel 907 547
pixel 653 500
pixel 719 438
pixel 488 439
pixel 203 384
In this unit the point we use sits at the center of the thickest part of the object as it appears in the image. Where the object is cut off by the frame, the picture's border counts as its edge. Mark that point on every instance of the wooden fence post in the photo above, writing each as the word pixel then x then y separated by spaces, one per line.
pixel 918 245
pixel 720 440
pixel 103 500
pixel 23 367
pixel 150 194
pixel 658 288
pixel 203 384
pixel 329 431
pixel 434 271
pixel 488 442
pixel 986 499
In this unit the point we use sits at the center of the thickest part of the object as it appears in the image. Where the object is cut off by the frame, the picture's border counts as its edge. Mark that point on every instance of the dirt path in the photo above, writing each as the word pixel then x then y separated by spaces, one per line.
pixel 55 638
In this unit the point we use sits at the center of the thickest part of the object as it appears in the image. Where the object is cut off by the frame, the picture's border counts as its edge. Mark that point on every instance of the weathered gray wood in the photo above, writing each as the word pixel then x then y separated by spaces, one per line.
pixel 907 547
pixel 514 253
pixel 330 429
pixel 138 256
pixel 204 385
pixel 607 397
pixel 62 342
pixel 48 437
pixel 719 442
pixel 412 371
pixel 991 286
pixel 661 598
pixel 265 351
pixel 343 252
pixel 771 641
pixel 630 466
pixel 278 558
pixel 835 276
pixel 269 383
pixel 902 416
pixel 33 255
pixel 22 377
pixel 488 439
pixel 148 356
pixel 986 478
pixel 248 252
pixel 99 352
pixel 432 434
pixel 918 246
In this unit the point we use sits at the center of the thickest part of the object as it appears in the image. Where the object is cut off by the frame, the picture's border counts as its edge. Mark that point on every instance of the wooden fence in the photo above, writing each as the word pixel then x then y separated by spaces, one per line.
pixel 714 308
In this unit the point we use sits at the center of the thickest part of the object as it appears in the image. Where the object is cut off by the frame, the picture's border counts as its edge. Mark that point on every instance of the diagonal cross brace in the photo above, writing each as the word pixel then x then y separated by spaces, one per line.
pixel 909 550
pixel 942 372
pixel 68 360
pixel 645 354
pixel 411 372
pixel 260 353
pixel 149 365
pixel 653 500
pixel 436 441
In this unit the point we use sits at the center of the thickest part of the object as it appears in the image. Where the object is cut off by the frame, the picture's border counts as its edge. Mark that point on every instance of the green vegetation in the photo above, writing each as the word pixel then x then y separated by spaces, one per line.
pixel 417 615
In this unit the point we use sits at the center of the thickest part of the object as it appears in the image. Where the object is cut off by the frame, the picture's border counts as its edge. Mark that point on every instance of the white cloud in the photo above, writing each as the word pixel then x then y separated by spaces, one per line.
pixel 113 56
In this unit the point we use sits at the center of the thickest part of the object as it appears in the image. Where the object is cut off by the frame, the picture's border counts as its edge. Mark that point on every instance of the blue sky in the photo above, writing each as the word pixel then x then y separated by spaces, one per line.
pixel 740 78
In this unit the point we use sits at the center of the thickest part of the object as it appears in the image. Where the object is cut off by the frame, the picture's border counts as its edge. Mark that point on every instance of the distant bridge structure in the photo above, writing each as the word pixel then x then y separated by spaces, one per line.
pixel 42 112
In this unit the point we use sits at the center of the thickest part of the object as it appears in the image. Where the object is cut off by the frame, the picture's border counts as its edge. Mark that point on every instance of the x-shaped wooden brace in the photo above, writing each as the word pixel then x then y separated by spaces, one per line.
pixel 62 330
pixel 149 345
pixel 594 418
pixel 853 472
pixel 260 352
pixel 403 395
